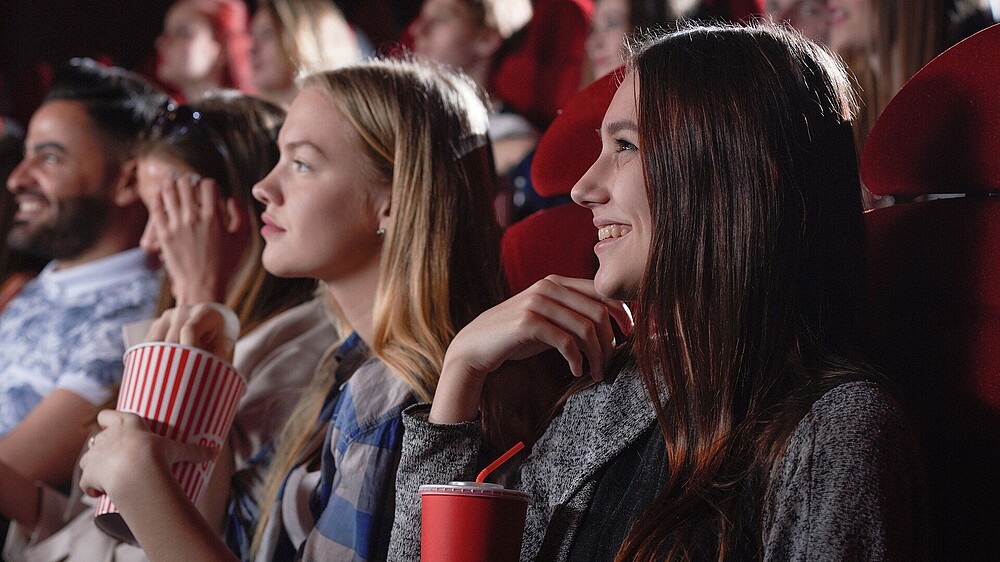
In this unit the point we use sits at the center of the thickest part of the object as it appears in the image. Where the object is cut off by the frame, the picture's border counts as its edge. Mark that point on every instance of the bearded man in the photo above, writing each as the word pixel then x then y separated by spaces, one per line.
pixel 60 339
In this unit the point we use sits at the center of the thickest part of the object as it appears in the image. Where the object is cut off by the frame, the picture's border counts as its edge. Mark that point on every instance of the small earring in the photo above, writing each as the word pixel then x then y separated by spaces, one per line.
pixel 380 232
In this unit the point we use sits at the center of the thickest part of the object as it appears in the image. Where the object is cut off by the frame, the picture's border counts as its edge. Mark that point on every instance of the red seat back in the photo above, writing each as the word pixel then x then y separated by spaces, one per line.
pixel 934 272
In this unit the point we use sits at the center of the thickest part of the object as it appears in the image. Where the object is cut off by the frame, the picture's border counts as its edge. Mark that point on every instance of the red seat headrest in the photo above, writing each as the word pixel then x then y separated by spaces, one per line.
pixel 571 143
pixel 941 132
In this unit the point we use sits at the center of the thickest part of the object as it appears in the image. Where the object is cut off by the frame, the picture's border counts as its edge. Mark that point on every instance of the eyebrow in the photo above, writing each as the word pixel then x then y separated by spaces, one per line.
pixel 618 126
pixel 49 145
pixel 296 144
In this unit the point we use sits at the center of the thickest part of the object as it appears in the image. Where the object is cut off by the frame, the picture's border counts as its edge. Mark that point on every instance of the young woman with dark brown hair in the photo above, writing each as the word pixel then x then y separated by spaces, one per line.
pixel 736 421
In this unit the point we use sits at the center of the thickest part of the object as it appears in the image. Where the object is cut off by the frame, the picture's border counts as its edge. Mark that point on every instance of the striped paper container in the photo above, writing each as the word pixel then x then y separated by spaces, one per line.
pixel 185 394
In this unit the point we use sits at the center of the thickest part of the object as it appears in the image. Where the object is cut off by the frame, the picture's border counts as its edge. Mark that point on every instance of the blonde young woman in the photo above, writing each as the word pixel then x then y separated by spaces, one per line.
pixel 382 192
pixel 194 173
pixel 292 38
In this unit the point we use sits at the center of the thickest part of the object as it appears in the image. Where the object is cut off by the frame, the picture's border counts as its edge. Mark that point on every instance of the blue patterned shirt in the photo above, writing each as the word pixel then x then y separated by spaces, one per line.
pixel 64 331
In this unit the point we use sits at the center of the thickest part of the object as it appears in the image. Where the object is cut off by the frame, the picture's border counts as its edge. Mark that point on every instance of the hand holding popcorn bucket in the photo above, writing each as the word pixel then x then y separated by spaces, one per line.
pixel 185 394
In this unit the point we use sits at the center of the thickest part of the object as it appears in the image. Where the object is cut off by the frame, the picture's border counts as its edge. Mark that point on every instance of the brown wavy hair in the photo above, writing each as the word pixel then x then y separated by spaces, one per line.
pixel 749 305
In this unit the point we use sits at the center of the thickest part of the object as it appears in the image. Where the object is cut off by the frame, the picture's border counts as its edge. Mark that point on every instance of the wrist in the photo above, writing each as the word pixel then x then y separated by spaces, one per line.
pixel 458 394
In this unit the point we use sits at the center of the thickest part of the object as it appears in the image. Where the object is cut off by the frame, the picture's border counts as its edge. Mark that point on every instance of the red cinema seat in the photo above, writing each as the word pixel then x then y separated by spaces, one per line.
pixel 545 70
pixel 560 240
pixel 934 276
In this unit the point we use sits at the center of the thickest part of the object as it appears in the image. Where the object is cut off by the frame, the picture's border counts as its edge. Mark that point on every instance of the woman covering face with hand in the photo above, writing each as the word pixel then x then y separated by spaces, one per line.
pixel 382 192
pixel 735 422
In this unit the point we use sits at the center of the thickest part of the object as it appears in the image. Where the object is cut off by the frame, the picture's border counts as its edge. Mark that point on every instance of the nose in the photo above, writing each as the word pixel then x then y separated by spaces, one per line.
pixel 590 190
pixel 18 176
pixel 267 190
pixel 150 242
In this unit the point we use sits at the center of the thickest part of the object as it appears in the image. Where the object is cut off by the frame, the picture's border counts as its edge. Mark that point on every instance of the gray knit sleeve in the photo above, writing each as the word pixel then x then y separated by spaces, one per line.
pixel 432 454
pixel 849 485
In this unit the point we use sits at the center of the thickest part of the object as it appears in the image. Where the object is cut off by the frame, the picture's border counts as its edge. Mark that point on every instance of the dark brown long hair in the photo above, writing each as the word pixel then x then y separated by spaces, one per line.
pixel 748 308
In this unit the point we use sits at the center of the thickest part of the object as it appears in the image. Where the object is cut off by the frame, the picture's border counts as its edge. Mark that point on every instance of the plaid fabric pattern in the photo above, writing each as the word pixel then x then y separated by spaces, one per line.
pixel 354 502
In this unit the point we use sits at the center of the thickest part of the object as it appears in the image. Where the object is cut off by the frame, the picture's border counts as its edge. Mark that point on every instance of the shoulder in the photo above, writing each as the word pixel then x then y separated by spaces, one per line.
pixel 850 413
pixel 372 398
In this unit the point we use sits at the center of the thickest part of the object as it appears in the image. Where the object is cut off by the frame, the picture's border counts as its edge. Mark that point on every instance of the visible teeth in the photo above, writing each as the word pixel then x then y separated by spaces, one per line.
pixel 611 231
pixel 29 206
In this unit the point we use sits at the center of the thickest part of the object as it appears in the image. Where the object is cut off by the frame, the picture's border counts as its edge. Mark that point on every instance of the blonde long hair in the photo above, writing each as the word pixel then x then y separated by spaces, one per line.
pixel 423 131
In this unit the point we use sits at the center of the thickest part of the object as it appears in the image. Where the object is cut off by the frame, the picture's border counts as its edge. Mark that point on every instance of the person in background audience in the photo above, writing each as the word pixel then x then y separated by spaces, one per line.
pixel 205 45
pixel 293 38
pixel 196 167
pixel 612 22
pixel 60 338
pixel 808 16
pixel 736 421
pixel 381 193
pixel 471 35
pixel 884 42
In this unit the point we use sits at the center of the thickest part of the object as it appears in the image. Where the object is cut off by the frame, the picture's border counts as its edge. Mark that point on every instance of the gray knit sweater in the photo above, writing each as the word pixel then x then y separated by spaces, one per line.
pixel 845 489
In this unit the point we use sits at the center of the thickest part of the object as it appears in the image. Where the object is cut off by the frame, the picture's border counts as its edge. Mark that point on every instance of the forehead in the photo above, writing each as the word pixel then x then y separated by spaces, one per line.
pixel 62 121
pixel 623 104
pixel 314 118
pixel 184 12
pixel 445 6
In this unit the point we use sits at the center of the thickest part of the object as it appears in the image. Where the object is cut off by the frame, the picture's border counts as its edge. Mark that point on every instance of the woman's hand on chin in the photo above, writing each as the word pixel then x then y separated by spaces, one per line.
pixel 556 312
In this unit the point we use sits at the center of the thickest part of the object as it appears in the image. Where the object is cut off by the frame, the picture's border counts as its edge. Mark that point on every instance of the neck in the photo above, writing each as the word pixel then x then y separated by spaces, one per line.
pixel 356 298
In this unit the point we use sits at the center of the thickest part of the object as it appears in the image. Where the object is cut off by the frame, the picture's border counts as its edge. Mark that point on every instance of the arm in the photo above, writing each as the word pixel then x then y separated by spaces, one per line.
pixel 432 454
pixel 848 486
pixel 46 444
pixel 442 443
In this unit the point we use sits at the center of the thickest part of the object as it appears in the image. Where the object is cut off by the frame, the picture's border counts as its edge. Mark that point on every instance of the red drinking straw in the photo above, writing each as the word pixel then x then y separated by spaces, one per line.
pixel 503 458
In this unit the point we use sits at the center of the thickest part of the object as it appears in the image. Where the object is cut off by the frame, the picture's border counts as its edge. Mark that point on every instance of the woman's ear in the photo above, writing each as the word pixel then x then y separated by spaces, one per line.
pixel 384 209
pixel 125 192
pixel 234 216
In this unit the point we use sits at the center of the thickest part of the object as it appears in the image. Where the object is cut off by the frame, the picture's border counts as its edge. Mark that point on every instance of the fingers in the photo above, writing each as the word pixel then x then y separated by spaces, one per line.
pixel 618 310
pixel 578 327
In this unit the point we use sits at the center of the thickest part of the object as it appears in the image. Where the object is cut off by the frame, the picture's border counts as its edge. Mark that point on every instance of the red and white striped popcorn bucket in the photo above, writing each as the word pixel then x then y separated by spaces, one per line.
pixel 185 394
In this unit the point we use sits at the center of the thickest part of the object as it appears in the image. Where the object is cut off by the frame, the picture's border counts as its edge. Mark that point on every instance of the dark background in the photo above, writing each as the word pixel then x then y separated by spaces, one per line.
pixel 36 35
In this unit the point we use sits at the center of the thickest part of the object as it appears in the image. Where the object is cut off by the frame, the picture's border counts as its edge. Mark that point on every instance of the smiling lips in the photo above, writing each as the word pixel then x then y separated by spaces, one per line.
pixel 612 231
pixel 29 205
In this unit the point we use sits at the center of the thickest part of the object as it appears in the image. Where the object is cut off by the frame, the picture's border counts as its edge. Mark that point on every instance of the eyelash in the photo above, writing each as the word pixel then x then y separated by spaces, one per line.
pixel 622 145
pixel 300 166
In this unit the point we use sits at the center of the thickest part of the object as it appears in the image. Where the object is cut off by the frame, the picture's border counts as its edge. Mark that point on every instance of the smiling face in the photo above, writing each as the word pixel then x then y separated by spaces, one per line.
pixel 272 71
pixel 323 209
pixel 188 50
pixel 63 187
pixel 851 24
pixel 608 28
pixel 615 191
